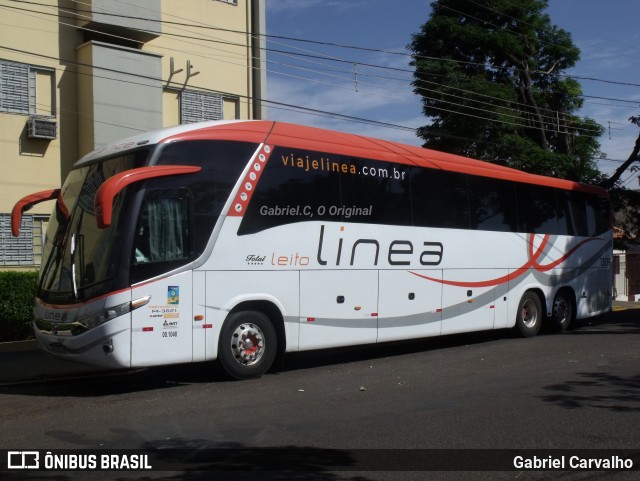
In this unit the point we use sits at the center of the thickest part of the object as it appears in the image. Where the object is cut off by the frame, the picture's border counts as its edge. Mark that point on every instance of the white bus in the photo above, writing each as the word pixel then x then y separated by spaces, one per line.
pixel 239 241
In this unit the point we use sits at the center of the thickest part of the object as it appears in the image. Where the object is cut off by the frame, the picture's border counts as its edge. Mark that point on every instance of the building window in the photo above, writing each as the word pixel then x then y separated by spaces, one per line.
pixel 196 106
pixel 14 88
pixel 25 250
pixel 26 89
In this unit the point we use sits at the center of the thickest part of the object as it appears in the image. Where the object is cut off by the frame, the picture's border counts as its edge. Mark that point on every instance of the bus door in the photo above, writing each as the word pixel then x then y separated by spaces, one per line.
pixel 200 324
pixel 410 305
pixel 338 308
pixel 163 241
pixel 470 299
pixel 161 331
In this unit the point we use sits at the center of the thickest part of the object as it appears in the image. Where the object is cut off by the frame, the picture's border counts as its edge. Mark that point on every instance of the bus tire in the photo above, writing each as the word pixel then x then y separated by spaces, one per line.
pixel 529 315
pixel 248 345
pixel 562 313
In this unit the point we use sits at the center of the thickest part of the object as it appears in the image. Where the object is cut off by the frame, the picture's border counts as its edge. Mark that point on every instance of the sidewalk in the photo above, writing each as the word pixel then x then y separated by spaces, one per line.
pixel 24 362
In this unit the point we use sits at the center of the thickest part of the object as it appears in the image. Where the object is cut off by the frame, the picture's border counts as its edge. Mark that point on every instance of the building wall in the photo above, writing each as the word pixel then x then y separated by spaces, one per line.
pixel 103 70
pixel 217 63
pixel 124 97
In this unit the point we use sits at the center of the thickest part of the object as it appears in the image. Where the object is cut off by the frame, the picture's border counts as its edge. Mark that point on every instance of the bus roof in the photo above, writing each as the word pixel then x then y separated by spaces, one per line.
pixel 310 138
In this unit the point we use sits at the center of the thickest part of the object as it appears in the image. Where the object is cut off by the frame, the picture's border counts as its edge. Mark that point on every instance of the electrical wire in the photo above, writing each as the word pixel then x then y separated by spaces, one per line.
pixel 516 116
pixel 395 98
pixel 244 45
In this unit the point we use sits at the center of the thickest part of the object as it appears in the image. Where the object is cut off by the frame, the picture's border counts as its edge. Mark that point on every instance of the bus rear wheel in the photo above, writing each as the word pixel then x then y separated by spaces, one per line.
pixel 562 314
pixel 529 316
pixel 248 345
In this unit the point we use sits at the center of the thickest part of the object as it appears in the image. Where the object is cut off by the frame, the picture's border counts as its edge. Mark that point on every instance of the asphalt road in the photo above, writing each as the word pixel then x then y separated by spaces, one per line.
pixel 572 391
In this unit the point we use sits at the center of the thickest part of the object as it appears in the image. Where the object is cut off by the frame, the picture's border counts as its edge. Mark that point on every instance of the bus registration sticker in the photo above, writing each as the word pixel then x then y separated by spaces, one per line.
pixel 173 295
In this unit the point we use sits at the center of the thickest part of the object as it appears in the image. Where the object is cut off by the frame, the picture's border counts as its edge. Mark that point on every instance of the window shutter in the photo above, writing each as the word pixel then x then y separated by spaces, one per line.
pixel 200 106
pixel 14 87
pixel 16 251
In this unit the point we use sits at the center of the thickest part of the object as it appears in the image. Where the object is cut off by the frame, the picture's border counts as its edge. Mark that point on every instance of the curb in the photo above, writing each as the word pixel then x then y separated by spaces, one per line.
pixel 19 346
pixel 68 376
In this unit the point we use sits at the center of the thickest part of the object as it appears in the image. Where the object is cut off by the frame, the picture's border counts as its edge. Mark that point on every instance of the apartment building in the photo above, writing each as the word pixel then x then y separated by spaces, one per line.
pixel 76 75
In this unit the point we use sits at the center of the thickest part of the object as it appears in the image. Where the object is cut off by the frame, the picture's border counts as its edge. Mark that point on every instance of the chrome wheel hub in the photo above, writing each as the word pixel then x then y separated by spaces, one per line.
pixel 529 313
pixel 247 344
pixel 560 310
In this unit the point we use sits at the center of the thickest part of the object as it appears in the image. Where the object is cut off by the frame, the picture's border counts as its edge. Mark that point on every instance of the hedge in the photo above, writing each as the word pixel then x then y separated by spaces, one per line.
pixel 17 293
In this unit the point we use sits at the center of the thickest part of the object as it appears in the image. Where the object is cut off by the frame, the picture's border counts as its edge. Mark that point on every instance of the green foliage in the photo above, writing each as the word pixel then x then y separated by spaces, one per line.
pixel 625 204
pixel 491 78
pixel 18 291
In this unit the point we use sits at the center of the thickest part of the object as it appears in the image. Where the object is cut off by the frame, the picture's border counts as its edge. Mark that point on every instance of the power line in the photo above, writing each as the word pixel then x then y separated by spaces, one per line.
pixel 324 57
pixel 454 104
pixel 368 120
pixel 324 43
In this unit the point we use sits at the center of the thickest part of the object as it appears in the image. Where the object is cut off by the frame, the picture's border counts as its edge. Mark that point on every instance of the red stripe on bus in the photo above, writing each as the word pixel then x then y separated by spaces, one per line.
pixel 531 263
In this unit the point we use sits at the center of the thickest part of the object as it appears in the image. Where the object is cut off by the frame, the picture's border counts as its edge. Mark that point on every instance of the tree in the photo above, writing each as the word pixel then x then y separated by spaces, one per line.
pixel 490 73
pixel 610 182
pixel 625 202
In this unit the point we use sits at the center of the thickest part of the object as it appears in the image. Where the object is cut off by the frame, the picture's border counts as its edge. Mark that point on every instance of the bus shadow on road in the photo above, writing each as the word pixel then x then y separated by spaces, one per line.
pixel 174 376
pixel 623 322
pixel 371 352
pixel 112 383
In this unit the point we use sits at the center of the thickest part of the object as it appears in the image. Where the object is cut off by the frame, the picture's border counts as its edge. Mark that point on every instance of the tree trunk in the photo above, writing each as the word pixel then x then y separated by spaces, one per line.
pixel 527 85
pixel 611 181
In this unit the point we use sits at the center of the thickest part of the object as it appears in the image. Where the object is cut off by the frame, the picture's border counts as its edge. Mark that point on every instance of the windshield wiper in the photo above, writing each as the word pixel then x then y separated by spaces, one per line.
pixel 73 266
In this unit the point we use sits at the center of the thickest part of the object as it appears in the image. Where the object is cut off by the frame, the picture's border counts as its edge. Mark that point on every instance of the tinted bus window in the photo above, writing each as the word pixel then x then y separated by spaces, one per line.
pixel 162 238
pixel 377 191
pixel 222 163
pixel 440 199
pixel 577 214
pixel 295 186
pixel 493 204
pixel 598 215
pixel 537 211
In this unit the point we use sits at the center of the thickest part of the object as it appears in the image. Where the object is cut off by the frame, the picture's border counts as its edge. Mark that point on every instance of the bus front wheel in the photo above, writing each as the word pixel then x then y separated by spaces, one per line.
pixel 248 344
pixel 529 316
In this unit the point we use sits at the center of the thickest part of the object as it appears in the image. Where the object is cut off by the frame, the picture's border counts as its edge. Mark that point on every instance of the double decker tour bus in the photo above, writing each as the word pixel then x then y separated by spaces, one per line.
pixel 240 240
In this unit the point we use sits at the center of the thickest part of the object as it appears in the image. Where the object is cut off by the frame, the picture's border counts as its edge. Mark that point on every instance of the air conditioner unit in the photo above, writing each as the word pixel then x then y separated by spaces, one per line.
pixel 42 128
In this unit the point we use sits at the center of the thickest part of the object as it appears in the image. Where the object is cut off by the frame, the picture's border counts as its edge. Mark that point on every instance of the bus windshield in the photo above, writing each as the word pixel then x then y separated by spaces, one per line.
pixel 80 258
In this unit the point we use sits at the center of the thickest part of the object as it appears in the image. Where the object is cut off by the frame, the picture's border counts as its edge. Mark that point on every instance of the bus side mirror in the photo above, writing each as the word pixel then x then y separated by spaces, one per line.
pixel 114 185
pixel 26 203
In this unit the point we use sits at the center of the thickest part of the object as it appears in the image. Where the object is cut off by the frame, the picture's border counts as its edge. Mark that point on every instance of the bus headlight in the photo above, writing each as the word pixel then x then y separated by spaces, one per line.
pixel 98 318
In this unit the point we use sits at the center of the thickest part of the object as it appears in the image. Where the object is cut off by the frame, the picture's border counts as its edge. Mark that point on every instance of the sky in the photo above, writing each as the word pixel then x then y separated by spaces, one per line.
pixel 605 32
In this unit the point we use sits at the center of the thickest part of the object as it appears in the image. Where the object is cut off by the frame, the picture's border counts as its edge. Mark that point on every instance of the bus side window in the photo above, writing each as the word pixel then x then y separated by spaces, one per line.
pixel 598 214
pixel 537 210
pixel 493 204
pixel 440 199
pixel 162 233
pixel 577 219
